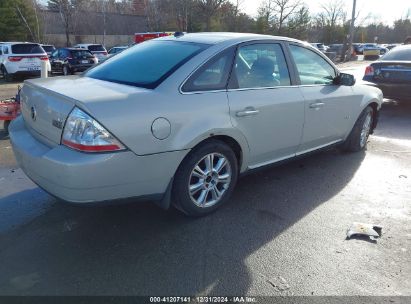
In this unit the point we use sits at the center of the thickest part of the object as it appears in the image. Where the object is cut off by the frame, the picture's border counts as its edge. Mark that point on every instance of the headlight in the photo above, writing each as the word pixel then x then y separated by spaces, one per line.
pixel 83 133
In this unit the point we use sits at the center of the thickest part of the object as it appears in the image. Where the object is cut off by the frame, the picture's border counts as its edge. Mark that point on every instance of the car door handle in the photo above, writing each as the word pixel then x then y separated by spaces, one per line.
pixel 316 105
pixel 247 112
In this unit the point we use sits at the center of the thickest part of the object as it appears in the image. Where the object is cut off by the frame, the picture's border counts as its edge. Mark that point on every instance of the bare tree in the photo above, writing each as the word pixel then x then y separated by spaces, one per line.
pixel 68 10
pixel 276 13
pixel 209 8
pixel 333 14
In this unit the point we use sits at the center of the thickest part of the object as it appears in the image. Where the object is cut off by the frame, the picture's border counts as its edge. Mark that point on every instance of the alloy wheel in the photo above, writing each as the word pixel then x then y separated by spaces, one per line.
pixel 365 131
pixel 209 180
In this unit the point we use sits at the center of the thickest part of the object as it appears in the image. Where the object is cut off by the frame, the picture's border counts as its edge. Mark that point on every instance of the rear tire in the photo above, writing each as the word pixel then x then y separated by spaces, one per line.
pixel 357 140
pixel 205 179
pixel 6 125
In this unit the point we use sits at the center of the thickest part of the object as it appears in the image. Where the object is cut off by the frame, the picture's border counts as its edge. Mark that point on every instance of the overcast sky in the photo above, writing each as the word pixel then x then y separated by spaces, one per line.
pixel 381 10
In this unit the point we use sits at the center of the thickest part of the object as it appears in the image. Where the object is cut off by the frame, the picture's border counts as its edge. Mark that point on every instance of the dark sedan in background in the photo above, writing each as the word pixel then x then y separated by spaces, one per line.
pixel 392 73
pixel 71 60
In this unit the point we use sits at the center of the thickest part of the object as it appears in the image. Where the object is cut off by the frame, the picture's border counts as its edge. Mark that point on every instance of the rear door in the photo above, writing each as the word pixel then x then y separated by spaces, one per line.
pixel 327 106
pixel 264 104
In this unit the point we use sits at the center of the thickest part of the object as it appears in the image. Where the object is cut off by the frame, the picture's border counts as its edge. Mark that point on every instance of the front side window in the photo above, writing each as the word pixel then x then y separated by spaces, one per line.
pixel 261 65
pixel 311 67
pixel 213 75
pixel 146 64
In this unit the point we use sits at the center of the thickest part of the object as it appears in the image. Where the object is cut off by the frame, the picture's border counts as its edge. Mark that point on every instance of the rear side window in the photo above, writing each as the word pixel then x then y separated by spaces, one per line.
pixel 260 65
pixel 146 64
pixel 213 75
pixel 96 48
pixel 311 67
pixel 27 48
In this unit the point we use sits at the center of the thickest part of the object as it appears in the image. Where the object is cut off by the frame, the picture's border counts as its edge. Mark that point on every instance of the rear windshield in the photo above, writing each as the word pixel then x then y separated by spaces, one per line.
pixel 146 64
pixel 48 48
pixel 96 48
pixel 27 48
pixel 402 54
pixel 81 54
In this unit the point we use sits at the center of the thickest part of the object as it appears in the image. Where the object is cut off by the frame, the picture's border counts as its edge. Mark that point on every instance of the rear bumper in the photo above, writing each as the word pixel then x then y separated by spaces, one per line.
pixel 80 68
pixel 84 178
pixel 392 90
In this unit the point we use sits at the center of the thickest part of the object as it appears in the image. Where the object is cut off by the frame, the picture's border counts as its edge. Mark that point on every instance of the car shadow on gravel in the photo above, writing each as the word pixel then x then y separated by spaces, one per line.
pixel 139 249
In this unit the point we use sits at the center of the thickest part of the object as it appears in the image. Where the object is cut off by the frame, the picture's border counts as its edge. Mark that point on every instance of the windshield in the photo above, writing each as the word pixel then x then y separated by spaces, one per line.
pixel 27 48
pixel 96 48
pixel 146 64
pixel 402 54
pixel 81 54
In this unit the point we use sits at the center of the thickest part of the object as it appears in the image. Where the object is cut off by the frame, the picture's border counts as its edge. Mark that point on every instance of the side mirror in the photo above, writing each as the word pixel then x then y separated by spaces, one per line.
pixel 344 79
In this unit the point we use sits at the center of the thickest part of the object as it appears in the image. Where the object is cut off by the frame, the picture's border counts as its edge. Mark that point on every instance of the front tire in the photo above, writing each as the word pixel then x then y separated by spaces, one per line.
pixel 205 179
pixel 357 140
pixel 66 70
pixel 6 76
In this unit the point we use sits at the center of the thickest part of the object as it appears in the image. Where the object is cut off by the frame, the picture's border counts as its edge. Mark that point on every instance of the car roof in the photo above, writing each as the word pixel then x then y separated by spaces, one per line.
pixel 74 49
pixel 88 44
pixel 19 42
pixel 219 37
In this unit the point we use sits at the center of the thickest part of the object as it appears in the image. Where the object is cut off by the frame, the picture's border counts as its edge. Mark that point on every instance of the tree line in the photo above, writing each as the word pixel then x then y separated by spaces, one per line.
pixel 19 19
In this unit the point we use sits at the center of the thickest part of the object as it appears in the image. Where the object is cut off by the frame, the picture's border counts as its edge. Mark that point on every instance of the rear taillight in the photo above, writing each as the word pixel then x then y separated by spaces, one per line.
pixel 369 71
pixel 44 58
pixel 15 58
pixel 83 133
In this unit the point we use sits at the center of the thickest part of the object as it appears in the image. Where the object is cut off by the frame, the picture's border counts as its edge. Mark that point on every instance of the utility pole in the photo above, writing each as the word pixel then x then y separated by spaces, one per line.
pixel 352 29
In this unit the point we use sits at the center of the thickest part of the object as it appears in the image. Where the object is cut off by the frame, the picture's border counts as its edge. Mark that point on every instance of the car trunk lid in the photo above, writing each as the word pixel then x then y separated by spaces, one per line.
pixel 392 71
pixel 51 100
pixel 44 111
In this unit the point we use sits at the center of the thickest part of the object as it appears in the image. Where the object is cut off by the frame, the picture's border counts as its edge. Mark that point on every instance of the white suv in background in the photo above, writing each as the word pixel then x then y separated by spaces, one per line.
pixel 21 58
pixel 96 49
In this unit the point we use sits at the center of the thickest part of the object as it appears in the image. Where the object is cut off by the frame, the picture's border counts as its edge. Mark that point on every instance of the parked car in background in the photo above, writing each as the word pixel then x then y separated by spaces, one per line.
pixel 358 48
pixel 371 51
pixel 337 49
pixel 96 49
pixel 383 49
pixel 71 60
pixel 114 51
pixel 21 58
pixel 48 48
pixel 177 119
pixel 117 49
pixel 392 73
pixel 320 46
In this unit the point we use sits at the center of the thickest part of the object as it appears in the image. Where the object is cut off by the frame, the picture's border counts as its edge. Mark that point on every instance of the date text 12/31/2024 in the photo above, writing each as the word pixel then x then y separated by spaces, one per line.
pixel 203 299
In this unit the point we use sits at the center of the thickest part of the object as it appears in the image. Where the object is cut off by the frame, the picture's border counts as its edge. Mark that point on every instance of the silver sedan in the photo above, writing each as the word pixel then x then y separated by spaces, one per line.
pixel 176 120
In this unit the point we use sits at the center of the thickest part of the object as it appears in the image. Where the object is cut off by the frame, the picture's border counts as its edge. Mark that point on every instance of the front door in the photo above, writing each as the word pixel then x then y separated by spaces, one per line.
pixel 263 104
pixel 327 115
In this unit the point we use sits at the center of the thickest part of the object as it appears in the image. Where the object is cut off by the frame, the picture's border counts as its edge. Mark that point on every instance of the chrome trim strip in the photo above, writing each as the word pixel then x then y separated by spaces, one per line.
pixel 318 147
pixel 271 161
